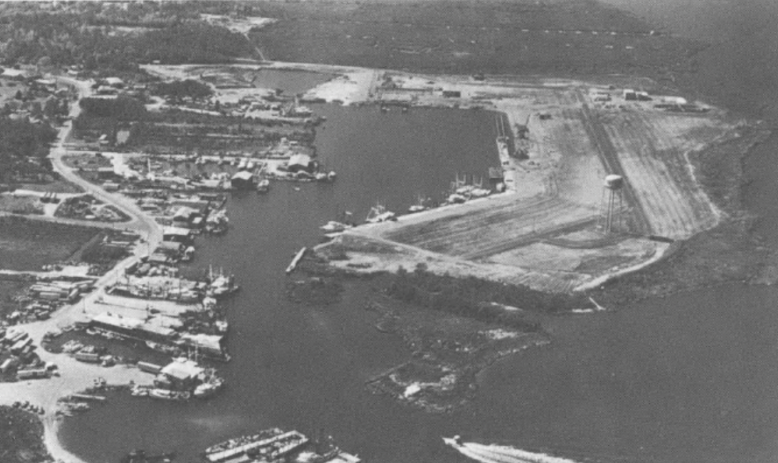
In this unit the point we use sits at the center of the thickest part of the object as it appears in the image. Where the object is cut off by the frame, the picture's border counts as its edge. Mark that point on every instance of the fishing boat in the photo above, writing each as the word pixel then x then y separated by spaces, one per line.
pixel 263 185
pixel 166 394
pixel 334 226
pixel 378 213
pixel 419 206
pixel 220 284
pixel 208 389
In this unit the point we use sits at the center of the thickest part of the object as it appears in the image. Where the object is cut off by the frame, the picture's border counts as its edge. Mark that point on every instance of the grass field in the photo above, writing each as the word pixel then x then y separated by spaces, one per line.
pixel 30 244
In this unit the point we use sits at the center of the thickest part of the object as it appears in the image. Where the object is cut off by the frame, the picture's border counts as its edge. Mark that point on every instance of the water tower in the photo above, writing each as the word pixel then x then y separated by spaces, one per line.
pixel 612 200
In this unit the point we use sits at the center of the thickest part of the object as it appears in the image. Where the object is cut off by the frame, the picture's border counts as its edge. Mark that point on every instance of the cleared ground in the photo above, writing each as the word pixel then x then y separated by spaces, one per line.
pixel 549 228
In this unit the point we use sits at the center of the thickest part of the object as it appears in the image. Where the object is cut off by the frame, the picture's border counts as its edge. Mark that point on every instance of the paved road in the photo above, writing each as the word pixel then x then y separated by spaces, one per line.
pixel 140 222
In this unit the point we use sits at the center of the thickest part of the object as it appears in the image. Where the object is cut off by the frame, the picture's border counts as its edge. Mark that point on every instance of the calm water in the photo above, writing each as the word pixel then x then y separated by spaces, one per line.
pixel 688 378
pixel 297 366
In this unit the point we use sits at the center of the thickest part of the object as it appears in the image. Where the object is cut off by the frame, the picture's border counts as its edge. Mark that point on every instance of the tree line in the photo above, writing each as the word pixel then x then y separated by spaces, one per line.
pixel 478 299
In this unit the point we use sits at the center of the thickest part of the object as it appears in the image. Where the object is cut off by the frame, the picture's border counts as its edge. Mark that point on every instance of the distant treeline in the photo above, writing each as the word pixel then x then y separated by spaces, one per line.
pixel 183 88
pixel 122 108
pixel 92 36
pixel 472 297
pixel 21 142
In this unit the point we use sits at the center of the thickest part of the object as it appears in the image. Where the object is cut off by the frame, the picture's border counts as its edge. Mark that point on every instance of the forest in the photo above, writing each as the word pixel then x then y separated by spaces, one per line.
pixel 479 299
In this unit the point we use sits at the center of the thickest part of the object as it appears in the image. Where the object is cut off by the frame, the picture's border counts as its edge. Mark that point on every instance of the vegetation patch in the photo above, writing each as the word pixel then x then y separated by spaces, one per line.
pixel 479 299
pixel 21 437
pixel 447 354
pixel 180 89
pixel 27 244
pixel 314 291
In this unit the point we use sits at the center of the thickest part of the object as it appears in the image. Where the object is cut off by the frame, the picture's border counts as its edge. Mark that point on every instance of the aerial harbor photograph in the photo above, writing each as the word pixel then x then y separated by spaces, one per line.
pixel 389 231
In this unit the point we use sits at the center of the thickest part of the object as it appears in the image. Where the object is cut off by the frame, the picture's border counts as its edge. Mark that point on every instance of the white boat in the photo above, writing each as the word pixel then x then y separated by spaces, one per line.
pixel 333 226
pixel 208 389
pixel 165 394
pixel 378 213
pixel 242 164
pixel 419 206
pixel 263 185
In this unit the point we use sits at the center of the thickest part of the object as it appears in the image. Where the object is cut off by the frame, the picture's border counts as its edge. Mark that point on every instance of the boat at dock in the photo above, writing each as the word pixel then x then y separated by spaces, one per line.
pixel 263 185
pixel 267 446
pixel 378 213
pixel 166 394
pixel 276 445
pixel 208 388
pixel 220 285
pixel 334 226
pixel 419 206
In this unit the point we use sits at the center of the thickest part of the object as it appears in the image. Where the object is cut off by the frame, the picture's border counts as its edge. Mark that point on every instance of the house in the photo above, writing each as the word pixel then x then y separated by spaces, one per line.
pixel 300 162
pixel 114 82
pixel 177 234
pixel 181 374
pixel 242 180
pixel 170 248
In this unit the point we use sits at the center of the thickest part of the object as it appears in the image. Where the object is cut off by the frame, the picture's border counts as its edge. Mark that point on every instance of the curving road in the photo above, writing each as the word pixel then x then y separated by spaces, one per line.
pixel 73 375
pixel 140 223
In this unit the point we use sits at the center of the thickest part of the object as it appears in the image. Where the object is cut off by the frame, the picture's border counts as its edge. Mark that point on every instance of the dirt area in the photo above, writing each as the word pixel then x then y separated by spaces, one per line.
pixel 21 437
pixel 86 207
pixel 572 134
pixel 447 353
pixel 30 244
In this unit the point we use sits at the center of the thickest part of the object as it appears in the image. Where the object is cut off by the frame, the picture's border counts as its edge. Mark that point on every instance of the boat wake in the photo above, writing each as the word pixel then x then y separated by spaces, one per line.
pixel 501 454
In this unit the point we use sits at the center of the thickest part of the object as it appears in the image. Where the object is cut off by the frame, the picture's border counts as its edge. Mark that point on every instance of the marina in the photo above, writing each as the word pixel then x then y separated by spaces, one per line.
pixel 190 325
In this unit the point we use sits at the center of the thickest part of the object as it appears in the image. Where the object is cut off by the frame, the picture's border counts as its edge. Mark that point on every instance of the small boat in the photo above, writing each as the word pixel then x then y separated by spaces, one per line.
pixel 334 227
pixel 378 214
pixel 166 394
pixel 208 389
pixel 419 206
pixel 263 185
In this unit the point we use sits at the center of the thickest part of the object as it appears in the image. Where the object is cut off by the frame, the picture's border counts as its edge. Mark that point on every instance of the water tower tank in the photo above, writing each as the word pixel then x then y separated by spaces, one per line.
pixel 614 182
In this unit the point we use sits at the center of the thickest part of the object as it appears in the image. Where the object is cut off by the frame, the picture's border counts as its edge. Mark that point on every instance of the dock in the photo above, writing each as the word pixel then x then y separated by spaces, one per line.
pixel 296 260
pixel 88 397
